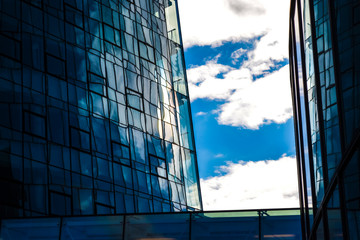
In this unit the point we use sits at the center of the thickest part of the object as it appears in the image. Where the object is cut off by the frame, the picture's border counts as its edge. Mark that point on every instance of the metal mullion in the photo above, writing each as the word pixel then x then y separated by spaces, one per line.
pixel 345 227
pixel 60 227
pixel 295 108
pixel 325 219
pixel 22 113
pixel 90 119
pixel 124 226
pixel 301 164
pixel 190 223
pixel 48 202
pixel 260 232
pixel 130 134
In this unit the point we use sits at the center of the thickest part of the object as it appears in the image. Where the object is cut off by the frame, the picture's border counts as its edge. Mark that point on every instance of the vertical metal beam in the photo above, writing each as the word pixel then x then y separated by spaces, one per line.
pixel 190 223
pixel 60 228
pixel 260 233
pixel 124 227
pixel 297 118
pixel 307 220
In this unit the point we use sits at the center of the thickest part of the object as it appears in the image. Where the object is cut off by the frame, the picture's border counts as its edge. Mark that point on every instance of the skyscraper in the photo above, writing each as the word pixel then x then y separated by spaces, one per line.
pixel 325 80
pixel 95 113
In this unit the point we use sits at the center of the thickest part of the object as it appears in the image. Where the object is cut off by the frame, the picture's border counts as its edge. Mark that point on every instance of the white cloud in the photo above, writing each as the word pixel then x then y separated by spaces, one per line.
pixel 263 101
pixel 201 113
pixel 253 185
pixel 271 48
pixel 205 22
pixel 249 104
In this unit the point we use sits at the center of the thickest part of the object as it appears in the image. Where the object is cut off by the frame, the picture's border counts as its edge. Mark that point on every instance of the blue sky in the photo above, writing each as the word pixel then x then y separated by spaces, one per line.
pixel 237 67
pixel 217 143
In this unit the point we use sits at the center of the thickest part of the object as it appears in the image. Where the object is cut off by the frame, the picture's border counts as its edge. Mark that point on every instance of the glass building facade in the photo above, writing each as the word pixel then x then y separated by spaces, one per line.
pixel 95 112
pixel 231 225
pixel 324 48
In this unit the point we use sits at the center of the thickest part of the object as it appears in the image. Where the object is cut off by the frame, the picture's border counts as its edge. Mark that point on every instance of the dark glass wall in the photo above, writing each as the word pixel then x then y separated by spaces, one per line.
pixel 326 35
pixel 95 112
pixel 230 225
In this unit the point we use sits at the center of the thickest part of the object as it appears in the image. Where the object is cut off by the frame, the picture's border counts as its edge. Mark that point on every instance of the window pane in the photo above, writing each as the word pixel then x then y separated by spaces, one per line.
pixel 166 226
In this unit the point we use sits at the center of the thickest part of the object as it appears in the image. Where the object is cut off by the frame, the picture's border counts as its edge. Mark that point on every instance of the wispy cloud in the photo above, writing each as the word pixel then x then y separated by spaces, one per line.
pixel 220 155
pixel 200 113
pixel 238 54
pixel 250 185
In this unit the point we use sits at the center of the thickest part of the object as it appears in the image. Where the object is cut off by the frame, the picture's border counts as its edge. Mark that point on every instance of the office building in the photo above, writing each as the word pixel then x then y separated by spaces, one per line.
pixel 95 113
pixel 325 80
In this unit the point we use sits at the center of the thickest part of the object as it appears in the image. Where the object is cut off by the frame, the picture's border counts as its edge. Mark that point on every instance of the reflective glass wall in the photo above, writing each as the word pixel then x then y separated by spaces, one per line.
pixel 231 225
pixel 324 40
pixel 95 111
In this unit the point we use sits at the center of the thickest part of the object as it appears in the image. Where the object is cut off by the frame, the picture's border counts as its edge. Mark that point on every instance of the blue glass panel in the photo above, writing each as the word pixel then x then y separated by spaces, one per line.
pixel 45 228
pixel 352 195
pixel 225 225
pixel 334 216
pixel 281 224
pixel 95 228
pixel 166 226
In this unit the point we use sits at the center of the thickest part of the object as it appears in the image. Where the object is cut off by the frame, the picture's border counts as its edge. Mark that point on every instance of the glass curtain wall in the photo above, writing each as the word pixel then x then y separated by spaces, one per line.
pixel 231 225
pixel 95 109
pixel 327 32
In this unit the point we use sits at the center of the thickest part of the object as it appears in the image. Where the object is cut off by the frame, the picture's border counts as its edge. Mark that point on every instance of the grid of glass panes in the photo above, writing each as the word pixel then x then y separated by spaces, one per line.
pixel 327 85
pixel 313 104
pixel 91 122
pixel 348 45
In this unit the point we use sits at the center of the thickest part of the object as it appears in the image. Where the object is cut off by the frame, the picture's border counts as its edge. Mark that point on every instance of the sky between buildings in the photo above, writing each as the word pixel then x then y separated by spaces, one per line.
pixel 236 54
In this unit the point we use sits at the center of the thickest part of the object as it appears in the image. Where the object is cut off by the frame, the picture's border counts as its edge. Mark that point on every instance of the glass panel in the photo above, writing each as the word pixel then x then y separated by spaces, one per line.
pixel 281 224
pixel 225 225
pixel 313 102
pixel 348 46
pixel 190 177
pixel 172 21
pixel 320 231
pixel 334 216
pixel 94 228
pixel 165 226
pixel 31 229
pixel 352 195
